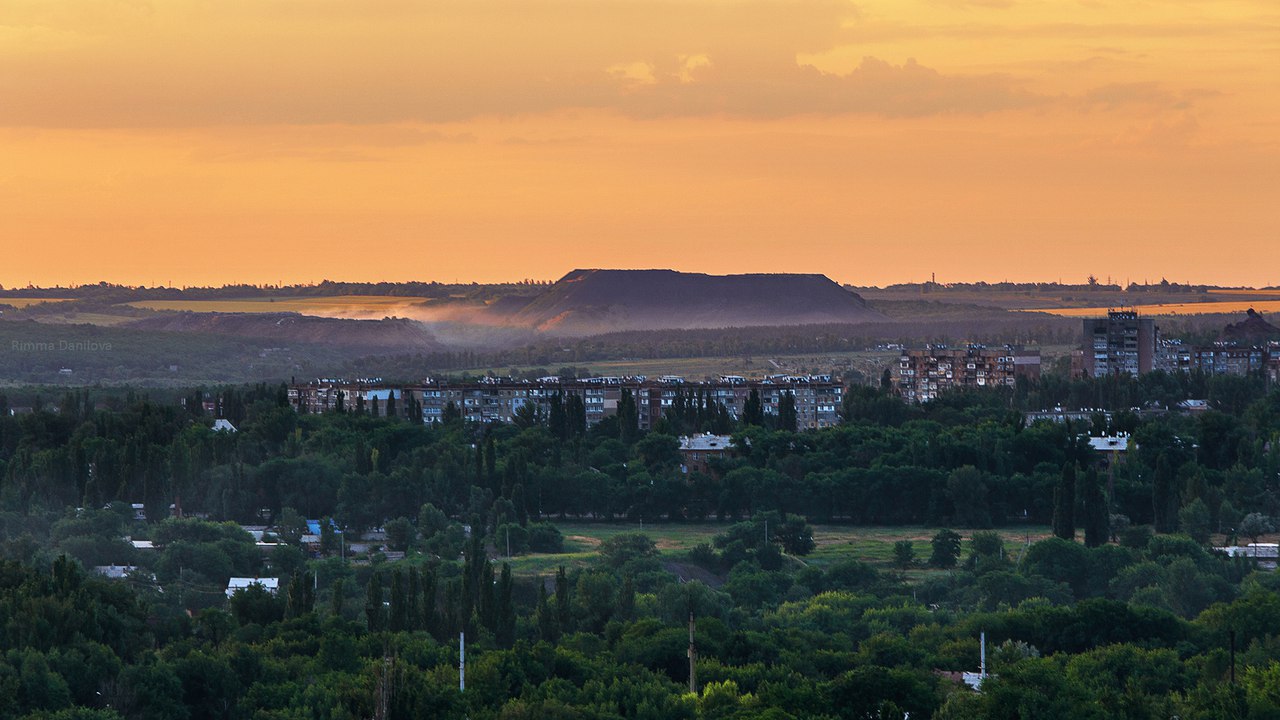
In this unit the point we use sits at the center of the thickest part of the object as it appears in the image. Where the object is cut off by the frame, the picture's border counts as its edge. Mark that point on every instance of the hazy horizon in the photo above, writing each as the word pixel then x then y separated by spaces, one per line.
pixel 1101 280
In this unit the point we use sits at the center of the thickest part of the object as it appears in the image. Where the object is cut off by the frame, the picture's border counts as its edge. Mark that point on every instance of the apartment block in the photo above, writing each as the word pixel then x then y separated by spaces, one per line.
pixel 817 397
pixel 921 375
pixel 1119 344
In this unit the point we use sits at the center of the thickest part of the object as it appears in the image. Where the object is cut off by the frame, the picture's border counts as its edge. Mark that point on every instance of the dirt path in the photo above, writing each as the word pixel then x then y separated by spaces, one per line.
pixel 689 571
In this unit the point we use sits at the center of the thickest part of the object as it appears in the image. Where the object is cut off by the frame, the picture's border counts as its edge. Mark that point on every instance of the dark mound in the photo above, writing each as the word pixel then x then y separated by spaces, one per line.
pixel 386 334
pixel 588 302
pixel 1252 329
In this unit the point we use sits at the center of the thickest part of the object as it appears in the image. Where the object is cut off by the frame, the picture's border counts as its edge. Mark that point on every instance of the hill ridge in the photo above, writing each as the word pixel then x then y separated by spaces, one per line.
pixel 589 301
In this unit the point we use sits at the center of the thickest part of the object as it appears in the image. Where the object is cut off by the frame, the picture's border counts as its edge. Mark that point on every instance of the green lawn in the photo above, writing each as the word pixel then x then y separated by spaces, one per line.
pixel 834 542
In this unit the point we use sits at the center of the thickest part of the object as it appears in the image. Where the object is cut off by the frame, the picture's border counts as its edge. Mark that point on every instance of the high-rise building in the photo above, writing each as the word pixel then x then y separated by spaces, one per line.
pixel 1119 344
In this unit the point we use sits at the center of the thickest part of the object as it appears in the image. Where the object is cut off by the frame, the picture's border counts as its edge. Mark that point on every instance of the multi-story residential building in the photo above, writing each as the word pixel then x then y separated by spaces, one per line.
pixel 1228 359
pixel 921 375
pixel 1119 344
pixel 817 397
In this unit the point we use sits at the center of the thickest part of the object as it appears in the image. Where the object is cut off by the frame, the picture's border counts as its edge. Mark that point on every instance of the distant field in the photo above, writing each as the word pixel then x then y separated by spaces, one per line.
pixel 868 362
pixel 747 366
pixel 1246 291
pixel 834 543
pixel 20 302
pixel 1086 301
pixel 337 306
pixel 1191 308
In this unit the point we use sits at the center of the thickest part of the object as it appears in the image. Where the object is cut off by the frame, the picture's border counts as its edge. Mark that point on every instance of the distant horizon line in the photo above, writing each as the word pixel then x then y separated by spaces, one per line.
pixel 281 285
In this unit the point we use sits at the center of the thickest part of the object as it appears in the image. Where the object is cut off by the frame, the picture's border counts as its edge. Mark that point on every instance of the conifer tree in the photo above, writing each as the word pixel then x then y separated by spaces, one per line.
pixel 430 620
pixel 373 612
pixel 564 615
pixel 787 412
pixel 1164 500
pixel 336 600
pixel 399 605
pixel 752 410
pixel 626 599
pixel 1096 522
pixel 545 617
pixel 413 611
pixel 505 612
pixel 628 418
pixel 1064 504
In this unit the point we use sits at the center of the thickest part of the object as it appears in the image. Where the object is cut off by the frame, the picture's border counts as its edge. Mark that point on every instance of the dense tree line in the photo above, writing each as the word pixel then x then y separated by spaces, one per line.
pixel 1125 612
pixel 1137 630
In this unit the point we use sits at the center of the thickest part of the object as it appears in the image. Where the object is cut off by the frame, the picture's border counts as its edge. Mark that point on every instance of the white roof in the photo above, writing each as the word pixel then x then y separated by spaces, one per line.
pixel 1112 443
pixel 142 544
pixel 114 572
pixel 221 425
pixel 706 442
pixel 270 584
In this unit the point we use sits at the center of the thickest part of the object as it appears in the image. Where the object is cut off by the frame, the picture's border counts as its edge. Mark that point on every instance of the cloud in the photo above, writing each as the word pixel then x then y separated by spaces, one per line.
pixel 1150 94
pixel 270 62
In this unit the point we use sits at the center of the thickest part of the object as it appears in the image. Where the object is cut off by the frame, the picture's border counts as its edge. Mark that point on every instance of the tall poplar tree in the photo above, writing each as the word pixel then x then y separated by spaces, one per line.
pixel 1096 522
pixel 1064 504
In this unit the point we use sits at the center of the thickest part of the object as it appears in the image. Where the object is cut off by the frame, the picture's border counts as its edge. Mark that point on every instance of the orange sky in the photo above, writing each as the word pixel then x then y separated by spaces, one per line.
pixel 212 141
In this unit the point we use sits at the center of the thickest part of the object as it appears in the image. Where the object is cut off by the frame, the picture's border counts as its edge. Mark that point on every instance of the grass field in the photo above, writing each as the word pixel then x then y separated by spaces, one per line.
pixel 869 362
pixel 20 302
pixel 1190 308
pixel 753 366
pixel 834 543
pixel 336 306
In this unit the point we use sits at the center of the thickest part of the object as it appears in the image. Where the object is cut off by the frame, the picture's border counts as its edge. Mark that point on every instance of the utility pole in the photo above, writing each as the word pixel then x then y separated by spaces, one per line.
pixel 462 661
pixel 982 662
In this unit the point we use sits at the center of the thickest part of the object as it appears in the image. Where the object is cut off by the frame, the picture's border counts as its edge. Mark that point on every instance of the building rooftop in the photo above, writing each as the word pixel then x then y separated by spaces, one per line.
pixel 1110 443
pixel 269 584
pixel 705 442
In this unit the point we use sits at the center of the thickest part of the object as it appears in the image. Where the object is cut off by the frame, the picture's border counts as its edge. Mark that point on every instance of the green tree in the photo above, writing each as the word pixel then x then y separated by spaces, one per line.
pixel 1064 504
pixel 1194 521
pixel 1255 525
pixel 1096 519
pixel 753 410
pixel 400 534
pixel 945 549
pixel 628 418
pixel 1164 496
pixel 375 615
pixel 904 554
pixel 564 606
pixel 787 418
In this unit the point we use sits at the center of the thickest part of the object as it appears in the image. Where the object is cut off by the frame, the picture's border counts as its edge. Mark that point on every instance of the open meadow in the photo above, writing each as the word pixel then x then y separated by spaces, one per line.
pixel 22 302
pixel 835 543
pixel 334 306
pixel 1210 307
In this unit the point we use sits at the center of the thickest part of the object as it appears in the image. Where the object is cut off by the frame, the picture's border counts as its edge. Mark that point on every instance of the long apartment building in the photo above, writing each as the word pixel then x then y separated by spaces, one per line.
pixel 921 375
pixel 1220 358
pixel 817 397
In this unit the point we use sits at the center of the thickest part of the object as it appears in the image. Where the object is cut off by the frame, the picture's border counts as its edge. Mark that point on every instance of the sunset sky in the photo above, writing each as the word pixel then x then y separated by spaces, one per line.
pixel 213 141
